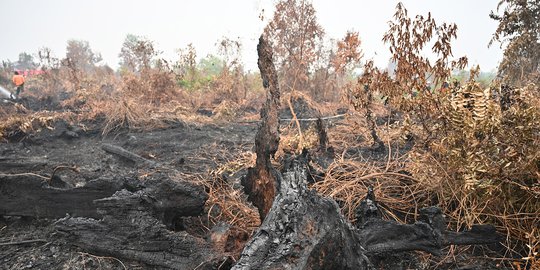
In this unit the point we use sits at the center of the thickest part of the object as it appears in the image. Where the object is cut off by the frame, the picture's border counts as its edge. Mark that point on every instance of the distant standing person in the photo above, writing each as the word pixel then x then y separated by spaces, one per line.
pixel 18 80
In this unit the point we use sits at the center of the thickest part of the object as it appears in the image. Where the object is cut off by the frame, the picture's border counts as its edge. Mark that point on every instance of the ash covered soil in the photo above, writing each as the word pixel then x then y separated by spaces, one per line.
pixel 189 149
pixel 183 152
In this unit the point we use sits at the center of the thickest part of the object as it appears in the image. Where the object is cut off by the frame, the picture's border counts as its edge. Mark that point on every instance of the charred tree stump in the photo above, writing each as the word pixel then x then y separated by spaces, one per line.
pixel 260 181
pixel 303 231
pixel 322 134
pixel 306 231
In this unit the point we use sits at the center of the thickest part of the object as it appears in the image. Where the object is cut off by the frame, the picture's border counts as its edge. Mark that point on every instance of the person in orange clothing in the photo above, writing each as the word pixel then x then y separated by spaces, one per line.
pixel 18 80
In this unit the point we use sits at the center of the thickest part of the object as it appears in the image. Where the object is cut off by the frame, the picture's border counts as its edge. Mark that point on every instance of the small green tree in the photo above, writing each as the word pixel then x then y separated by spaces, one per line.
pixel 210 66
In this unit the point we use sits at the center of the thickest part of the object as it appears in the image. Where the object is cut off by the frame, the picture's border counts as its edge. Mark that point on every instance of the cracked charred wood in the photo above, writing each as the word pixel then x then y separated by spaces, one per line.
pixel 427 234
pixel 31 195
pixel 28 164
pixel 303 231
pixel 129 230
pixel 228 238
pixel 168 200
pixel 260 181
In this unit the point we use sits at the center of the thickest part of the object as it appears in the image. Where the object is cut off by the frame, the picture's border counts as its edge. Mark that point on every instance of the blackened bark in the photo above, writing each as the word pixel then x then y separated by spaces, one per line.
pixel 30 195
pixel 260 182
pixel 303 231
pixel 130 230
pixel 428 234
pixel 127 219
pixel 323 135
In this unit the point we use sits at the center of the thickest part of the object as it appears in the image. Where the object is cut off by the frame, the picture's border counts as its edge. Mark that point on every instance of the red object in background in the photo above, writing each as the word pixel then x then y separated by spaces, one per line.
pixel 30 72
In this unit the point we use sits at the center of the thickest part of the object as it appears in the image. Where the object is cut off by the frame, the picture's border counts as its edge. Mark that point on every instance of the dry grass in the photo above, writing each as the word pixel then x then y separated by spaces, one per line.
pixel 513 209
pixel 480 165
pixel 348 178
pixel 127 113
pixel 347 182
pixel 293 142
pixel 227 202
pixel 227 110
pixel 20 126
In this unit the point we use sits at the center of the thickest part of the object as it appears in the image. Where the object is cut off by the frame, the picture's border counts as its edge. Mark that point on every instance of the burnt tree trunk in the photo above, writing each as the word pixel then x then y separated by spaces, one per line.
pixel 322 134
pixel 131 229
pixel 303 231
pixel 260 181
pixel 30 195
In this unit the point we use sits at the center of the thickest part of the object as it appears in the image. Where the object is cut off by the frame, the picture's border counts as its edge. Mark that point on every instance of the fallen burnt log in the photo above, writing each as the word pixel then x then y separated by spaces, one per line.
pixel 130 230
pixel 31 195
pixel 428 234
pixel 122 217
pixel 121 152
pixel 7 163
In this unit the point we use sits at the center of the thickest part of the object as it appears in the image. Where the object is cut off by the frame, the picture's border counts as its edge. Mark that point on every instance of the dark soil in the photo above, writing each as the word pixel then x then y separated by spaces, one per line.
pixel 187 149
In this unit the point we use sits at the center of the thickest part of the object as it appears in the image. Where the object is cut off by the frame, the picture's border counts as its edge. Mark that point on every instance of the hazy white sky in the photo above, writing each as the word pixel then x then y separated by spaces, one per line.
pixel 31 24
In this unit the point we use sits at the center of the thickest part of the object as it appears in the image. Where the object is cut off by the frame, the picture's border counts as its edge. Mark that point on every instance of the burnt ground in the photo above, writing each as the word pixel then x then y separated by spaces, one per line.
pixel 188 149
